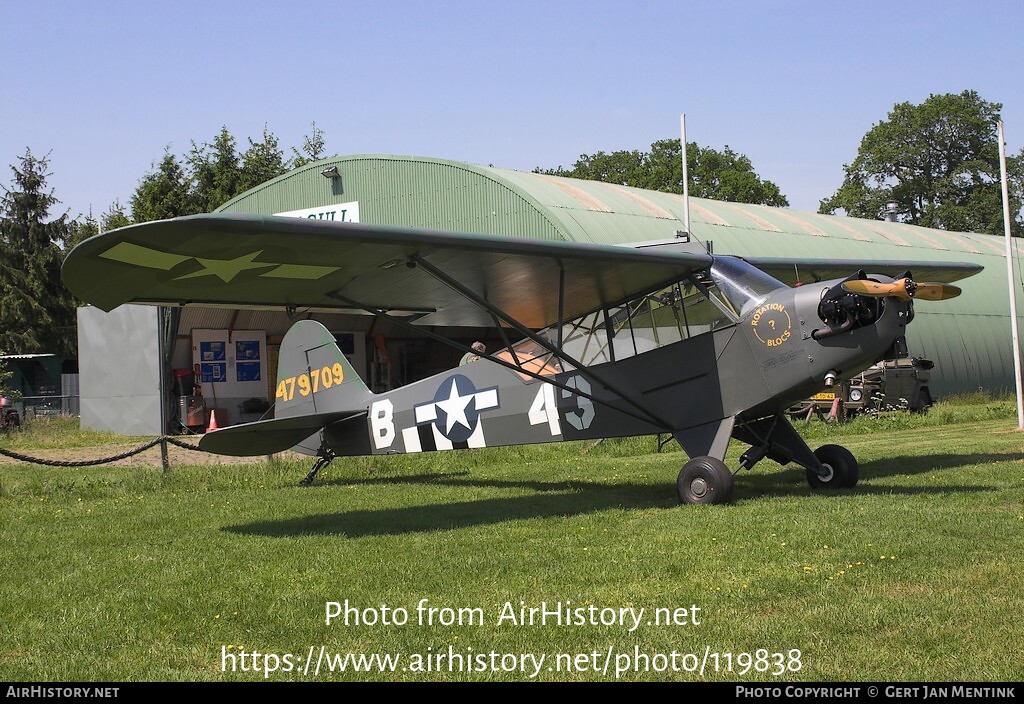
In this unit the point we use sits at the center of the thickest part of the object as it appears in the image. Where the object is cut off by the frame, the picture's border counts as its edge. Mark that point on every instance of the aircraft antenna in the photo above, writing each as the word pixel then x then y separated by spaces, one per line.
pixel 686 174
pixel 1013 287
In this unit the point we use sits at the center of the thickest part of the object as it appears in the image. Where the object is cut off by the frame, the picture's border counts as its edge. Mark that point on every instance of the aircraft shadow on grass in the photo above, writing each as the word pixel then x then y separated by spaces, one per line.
pixel 569 498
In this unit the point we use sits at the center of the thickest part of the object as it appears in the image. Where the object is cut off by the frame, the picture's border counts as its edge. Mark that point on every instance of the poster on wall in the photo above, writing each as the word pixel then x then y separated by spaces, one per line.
pixel 232 367
pixel 213 361
pixel 247 360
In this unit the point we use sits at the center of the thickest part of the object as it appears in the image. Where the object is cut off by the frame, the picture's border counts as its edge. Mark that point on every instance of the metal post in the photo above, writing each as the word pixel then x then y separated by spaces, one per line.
pixel 1012 283
pixel 686 175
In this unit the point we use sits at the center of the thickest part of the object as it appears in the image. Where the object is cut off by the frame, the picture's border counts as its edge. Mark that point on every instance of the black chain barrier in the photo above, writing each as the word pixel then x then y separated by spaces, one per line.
pixel 103 460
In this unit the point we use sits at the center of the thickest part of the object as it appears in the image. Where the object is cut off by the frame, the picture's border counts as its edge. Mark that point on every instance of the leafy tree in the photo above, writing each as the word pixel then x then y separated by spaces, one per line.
pixel 36 311
pixel 939 162
pixel 215 172
pixel 721 175
pixel 261 162
pixel 313 148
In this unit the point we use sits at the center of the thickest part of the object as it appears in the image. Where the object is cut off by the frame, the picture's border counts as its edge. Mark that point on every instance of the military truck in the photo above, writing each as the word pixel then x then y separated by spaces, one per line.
pixel 894 384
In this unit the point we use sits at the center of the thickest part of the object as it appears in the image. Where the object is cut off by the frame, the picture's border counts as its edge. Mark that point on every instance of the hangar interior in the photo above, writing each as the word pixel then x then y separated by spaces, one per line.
pixel 216 358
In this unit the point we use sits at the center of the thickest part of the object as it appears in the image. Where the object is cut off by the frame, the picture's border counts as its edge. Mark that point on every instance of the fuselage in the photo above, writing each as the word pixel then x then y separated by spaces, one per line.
pixel 766 347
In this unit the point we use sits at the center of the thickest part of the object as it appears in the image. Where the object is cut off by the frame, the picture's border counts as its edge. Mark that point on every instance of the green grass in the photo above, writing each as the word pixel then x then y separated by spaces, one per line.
pixel 123 573
pixel 57 432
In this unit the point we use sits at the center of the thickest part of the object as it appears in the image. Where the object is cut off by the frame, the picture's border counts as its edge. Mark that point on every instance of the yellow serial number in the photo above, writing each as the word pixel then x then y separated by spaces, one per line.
pixel 310 382
pixel 824 396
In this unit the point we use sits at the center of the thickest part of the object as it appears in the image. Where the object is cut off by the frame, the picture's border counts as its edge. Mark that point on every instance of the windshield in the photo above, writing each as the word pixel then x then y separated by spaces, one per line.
pixel 742 285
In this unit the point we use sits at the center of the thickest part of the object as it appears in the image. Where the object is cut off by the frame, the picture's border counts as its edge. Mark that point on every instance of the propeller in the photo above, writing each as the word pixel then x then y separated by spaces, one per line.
pixel 903 289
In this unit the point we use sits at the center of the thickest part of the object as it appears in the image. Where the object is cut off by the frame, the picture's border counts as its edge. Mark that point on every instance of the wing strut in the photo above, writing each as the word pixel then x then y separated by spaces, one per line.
pixel 647 418
pixel 526 332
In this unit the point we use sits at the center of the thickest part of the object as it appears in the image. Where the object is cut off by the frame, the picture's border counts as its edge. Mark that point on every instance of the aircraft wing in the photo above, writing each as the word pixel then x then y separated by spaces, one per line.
pixel 274 262
pixel 791 270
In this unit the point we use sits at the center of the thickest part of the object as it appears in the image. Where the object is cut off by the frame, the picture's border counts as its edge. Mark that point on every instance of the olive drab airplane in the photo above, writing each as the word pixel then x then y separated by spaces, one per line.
pixel 602 341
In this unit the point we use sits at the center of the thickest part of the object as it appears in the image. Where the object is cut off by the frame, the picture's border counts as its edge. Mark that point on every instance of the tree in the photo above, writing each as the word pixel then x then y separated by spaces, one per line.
pixel 85 226
pixel 36 311
pixel 313 148
pixel 215 172
pixel 5 379
pixel 722 175
pixel 939 163
pixel 163 192
pixel 261 162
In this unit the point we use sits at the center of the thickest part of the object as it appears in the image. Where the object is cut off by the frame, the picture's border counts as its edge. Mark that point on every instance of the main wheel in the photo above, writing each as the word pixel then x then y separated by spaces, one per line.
pixel 704 480
pixel 842 467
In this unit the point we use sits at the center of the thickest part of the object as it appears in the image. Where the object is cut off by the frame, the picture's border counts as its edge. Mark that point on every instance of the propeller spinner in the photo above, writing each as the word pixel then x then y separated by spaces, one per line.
pixel 904 289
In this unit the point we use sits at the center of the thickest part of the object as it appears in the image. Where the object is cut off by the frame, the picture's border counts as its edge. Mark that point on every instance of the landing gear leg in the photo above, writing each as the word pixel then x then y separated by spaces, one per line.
pixel 829 467
pixel 323 458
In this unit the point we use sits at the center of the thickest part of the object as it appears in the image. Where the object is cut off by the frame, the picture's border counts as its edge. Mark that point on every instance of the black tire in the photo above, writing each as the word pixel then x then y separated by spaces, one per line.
pixel 704 480
pixel 924 402
pixel 843 468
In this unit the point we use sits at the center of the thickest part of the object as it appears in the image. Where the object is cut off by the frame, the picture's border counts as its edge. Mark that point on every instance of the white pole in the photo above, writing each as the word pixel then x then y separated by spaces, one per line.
pixel 686 175
pixel 1013 287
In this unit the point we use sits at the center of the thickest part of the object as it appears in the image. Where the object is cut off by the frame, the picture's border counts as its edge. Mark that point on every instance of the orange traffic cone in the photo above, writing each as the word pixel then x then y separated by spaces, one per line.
pixel 213 421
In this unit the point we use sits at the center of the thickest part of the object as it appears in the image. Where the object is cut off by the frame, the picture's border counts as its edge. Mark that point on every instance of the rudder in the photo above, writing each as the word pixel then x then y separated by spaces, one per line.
pixel 314 376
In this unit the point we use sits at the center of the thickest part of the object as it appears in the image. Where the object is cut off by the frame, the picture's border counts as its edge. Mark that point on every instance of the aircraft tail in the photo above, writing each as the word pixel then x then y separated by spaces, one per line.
pixel 316 386
pixel 314 376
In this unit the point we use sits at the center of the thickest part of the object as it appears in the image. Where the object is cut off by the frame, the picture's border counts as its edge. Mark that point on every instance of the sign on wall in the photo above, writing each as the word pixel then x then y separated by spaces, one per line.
pixel 342 212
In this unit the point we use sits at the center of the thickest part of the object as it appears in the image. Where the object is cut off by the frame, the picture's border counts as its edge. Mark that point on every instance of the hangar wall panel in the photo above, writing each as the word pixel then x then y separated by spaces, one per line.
pixel 119 369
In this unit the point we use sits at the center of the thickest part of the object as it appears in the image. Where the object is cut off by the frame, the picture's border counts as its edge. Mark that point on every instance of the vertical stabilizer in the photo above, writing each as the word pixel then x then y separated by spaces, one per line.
pixel 314 376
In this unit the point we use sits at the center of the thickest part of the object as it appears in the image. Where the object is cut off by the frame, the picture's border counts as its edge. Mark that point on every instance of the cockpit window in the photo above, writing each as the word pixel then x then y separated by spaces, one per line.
pixel 742 286
pixel 706 301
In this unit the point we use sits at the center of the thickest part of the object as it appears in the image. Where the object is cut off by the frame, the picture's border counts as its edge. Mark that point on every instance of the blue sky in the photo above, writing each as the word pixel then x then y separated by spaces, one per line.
pixel 105 86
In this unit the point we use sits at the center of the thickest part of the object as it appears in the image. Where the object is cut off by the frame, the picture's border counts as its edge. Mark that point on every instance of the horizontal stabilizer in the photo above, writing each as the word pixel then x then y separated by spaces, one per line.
pixel 265 437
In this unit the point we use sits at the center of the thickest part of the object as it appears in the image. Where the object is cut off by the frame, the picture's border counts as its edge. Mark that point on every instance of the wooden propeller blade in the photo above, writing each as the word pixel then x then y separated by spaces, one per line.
pixel 936 292
pixel 903 289
pixel 898 289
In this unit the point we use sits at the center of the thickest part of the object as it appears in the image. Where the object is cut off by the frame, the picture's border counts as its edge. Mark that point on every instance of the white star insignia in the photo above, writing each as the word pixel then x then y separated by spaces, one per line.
pixel 454 408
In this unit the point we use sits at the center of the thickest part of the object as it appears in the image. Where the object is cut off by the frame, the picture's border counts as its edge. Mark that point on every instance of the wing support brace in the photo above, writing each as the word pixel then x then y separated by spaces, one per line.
pixel 526 332
pixel 641 413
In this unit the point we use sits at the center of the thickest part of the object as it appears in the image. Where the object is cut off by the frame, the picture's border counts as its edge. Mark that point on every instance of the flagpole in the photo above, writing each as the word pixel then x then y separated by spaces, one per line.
pixel 686 175
pixel 1012 283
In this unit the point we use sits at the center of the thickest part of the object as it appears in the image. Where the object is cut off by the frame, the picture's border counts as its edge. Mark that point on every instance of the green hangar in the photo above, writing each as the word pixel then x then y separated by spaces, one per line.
pixel 968 337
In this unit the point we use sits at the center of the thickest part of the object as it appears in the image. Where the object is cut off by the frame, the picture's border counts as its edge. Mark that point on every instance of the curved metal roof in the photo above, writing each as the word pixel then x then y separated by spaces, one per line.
pixel 967 337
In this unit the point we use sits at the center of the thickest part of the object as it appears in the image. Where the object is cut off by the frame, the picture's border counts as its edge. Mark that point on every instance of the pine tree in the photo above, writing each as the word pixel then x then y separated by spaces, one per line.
pixel 261 162
pixel 314 148
pixel 36 311
pixel 215 172
pixel 163 192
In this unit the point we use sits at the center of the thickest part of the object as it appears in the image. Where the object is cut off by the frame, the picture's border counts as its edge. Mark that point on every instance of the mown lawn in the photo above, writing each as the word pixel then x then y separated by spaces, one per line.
pixel 127 574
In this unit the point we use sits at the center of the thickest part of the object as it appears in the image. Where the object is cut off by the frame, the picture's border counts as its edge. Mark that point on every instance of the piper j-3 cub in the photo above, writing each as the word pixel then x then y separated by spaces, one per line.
pixel 609 341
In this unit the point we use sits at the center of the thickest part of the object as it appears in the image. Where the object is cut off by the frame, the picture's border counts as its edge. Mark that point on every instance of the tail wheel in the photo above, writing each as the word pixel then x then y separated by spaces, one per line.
pixel 842 468
pixel 705 480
